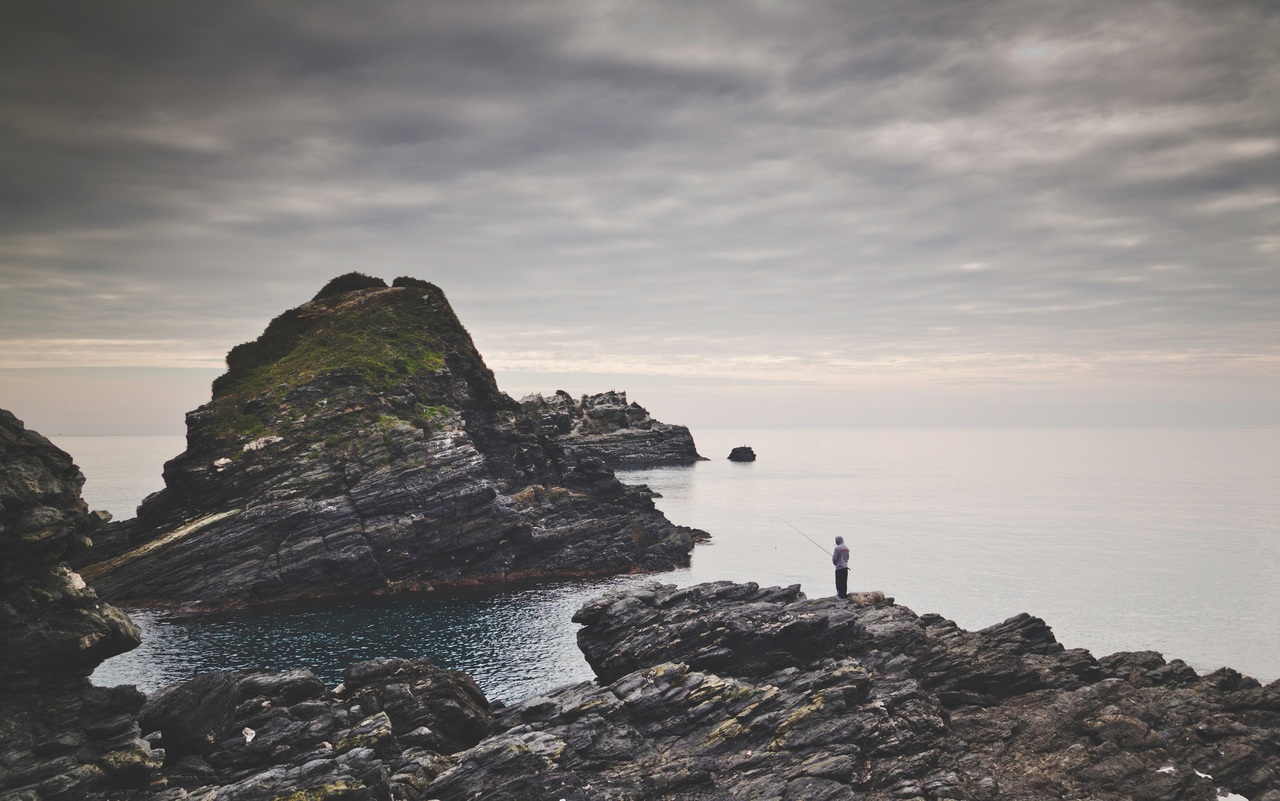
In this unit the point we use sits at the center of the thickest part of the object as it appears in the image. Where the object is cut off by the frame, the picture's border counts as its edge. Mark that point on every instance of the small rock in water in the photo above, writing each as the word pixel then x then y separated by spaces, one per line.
pixel 742 454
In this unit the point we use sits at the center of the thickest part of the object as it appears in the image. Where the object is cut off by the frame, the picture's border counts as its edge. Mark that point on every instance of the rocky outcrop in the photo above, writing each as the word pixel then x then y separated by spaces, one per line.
pixel 60 737
pixel 727 691
pixel 742 453
pixel 383 733
pixel 360 446
pixel 606 427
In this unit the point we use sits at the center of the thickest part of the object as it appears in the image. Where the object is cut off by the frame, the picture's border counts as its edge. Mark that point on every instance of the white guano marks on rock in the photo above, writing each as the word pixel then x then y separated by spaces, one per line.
pixel 73 578
pixel 260 443
pixel 1223 793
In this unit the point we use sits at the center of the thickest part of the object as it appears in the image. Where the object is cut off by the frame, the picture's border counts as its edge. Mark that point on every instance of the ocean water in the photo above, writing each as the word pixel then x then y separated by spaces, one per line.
pixel 1122 539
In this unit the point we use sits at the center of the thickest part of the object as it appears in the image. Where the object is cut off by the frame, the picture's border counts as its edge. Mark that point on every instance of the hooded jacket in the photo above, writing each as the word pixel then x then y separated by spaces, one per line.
pixel 840 556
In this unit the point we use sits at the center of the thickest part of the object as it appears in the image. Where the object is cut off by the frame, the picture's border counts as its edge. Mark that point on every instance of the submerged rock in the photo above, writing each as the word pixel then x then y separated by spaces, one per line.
pixel 742 453
pixel 606 427
pixel 730 691
pixel 60 737
pixel 360 445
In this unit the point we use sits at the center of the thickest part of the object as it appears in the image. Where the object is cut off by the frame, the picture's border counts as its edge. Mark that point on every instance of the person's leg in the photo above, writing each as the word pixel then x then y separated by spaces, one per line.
pixel 842 582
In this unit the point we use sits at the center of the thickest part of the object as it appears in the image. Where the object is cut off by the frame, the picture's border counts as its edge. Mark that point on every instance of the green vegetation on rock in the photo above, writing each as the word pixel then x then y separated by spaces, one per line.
pixel 371 337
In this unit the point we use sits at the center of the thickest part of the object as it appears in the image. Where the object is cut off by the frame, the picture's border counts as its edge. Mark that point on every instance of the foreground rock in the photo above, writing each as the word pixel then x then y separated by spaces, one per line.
pixel 60 737
pixel 728 691
pixel 606 427
pixel 383 733
pixel 360 445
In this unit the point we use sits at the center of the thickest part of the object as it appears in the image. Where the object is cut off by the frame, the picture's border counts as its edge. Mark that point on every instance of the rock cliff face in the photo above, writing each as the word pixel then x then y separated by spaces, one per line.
pixel 60 737
pixel 606 427
pixel 360 445
pixel 727 691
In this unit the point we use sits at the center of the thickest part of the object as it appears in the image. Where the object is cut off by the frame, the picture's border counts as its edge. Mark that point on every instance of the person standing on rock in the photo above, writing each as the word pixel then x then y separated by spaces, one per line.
pixel 840 558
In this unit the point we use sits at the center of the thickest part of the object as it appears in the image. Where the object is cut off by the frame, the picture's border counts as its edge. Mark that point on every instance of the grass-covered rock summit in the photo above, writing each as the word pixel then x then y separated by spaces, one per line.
pixel 360 445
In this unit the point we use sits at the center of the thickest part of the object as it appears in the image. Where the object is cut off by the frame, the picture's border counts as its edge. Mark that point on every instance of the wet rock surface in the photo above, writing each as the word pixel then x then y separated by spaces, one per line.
pixel 608 428
pixel 60 737
pixel 361 446
pixel 732 691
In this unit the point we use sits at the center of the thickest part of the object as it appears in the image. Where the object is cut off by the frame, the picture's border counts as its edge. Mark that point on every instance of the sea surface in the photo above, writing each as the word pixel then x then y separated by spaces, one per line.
pixel 1122 539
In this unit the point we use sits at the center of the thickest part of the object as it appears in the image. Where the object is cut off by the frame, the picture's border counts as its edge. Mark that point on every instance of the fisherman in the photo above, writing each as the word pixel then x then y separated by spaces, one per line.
pixel 840 558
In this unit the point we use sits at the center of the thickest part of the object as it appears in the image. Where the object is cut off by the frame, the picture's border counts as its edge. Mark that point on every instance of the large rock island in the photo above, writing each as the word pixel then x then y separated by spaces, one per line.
pixel 360 445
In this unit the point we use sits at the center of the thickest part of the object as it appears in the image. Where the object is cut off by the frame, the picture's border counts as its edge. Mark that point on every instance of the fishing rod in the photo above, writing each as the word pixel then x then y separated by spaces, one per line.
pixel 742 495
pixel 806 536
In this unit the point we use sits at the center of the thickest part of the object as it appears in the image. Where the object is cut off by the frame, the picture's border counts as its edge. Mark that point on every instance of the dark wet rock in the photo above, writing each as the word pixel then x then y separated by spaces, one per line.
pixel 361 446
pixel 60 737
pixel 382 733
pixel 606 427
pixel 728 691
pixel 742 453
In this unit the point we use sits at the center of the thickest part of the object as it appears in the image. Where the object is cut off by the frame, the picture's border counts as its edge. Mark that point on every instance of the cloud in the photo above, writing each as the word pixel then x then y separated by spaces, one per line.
pixel 726 187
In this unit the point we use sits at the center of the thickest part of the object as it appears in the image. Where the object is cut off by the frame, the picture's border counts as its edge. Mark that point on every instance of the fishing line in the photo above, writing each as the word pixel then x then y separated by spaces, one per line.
pixel 802 534
pixel 743 496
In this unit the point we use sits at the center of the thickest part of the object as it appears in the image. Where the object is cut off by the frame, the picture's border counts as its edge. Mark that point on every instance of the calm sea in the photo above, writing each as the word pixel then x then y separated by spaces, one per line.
pixel 1122 539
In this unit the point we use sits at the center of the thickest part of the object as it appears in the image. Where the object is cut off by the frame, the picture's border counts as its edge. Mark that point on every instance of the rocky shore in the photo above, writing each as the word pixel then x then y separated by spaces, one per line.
pixel 361 446
pixel 727 691
pixel 606 427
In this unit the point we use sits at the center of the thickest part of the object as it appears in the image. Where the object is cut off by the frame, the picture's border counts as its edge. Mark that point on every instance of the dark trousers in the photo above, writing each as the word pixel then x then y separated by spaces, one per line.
pixel 842 582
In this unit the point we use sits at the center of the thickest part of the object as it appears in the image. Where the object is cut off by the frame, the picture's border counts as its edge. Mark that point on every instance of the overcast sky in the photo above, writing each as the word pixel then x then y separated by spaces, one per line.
pixel 896 212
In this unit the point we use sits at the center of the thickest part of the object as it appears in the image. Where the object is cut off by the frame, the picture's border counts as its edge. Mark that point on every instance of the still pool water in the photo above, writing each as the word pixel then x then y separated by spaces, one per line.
pixel 515 644
pixel 1122 539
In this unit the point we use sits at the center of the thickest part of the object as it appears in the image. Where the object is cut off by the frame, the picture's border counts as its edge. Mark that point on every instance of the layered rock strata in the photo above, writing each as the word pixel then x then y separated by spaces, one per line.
pixel 727 691
pixel 60 736
pixel 359 446
pixel 606 427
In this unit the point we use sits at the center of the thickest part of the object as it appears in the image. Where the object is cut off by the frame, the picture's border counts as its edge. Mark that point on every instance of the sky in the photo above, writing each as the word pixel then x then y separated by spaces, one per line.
pixel 748 213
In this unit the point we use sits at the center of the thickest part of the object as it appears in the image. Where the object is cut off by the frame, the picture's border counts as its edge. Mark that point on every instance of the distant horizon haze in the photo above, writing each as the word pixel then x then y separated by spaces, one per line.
pixel 154 401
